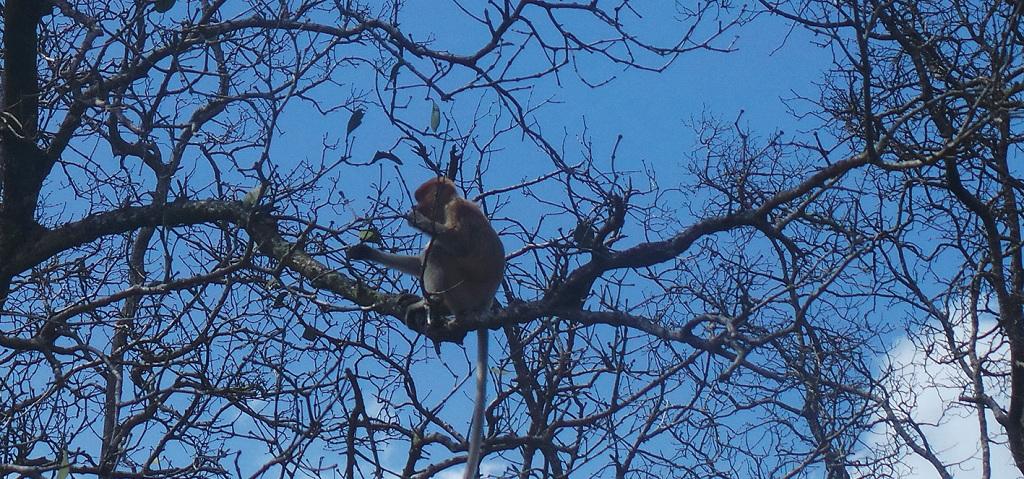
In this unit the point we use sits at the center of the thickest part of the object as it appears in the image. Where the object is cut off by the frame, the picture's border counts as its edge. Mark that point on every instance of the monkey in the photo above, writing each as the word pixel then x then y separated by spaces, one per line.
pixel 463 264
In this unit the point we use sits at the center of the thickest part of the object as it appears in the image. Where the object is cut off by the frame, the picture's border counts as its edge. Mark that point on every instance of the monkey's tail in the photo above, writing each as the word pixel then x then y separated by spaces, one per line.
pixel 476 430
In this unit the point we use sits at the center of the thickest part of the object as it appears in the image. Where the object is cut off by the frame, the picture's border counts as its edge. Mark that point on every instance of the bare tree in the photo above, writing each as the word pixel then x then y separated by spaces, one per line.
pixel 926 96
pixel 176 301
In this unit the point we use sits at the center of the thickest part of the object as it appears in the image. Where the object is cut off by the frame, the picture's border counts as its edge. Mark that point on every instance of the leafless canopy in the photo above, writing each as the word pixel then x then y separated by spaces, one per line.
pixel 179 180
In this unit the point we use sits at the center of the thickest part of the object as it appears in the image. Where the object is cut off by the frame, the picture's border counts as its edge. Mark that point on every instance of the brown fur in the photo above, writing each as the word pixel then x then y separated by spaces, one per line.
pixel 465 250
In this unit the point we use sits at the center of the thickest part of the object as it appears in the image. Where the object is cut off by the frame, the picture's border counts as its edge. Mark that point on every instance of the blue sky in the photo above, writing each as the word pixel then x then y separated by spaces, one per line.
pixel 650 110
pixel 771 62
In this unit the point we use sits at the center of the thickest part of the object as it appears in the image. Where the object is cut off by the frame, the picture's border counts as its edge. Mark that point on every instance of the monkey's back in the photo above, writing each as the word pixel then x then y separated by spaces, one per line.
pixel 473 267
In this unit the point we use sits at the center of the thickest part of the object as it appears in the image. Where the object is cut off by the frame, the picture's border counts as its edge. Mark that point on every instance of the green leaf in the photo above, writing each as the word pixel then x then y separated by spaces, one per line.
pixel 279 300
pixel 435 116
pixel 394 72
pixel 355 120
pixel 370 235
pixel 385 155
pixel 584 233
pixel 162 6
pixel 65 466
pixel 253 196
pixel 500 372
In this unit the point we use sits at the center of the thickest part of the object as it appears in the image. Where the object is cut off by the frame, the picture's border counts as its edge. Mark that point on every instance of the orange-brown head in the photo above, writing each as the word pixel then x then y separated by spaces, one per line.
pixel 433 195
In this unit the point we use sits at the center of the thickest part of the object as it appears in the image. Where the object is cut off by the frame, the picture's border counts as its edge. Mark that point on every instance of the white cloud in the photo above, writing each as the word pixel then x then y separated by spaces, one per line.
pixel 927 386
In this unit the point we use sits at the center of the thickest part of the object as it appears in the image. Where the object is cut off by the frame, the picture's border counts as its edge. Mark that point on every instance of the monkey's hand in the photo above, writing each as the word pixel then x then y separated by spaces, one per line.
pixel 420 221
pixel 416 311
pixel 359 251
pixel 427 313
pixel 423 223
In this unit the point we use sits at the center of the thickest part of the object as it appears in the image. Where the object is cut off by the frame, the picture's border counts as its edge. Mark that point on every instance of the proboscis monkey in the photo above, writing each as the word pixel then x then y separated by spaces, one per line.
pixel 463 265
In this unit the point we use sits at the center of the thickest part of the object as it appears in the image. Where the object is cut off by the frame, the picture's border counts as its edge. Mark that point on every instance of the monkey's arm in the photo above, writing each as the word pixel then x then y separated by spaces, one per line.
pixel 411 265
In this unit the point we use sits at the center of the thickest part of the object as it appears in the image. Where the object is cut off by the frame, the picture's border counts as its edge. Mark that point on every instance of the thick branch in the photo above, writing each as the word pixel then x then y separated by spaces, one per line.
pixel 577 286
pixel 93 227
pixel 22 163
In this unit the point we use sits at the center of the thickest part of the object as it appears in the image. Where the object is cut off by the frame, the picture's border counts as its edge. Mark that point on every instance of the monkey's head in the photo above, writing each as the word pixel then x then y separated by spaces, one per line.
pixel 432 197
